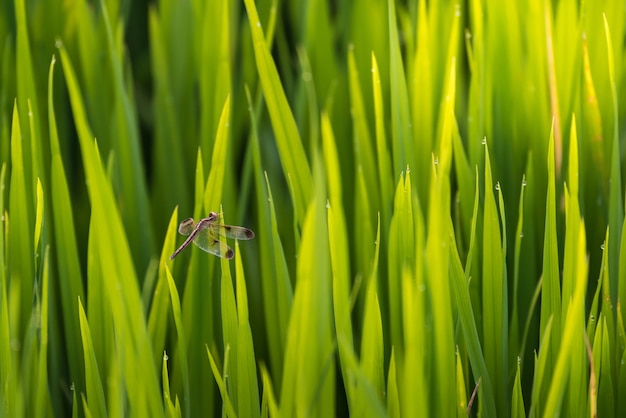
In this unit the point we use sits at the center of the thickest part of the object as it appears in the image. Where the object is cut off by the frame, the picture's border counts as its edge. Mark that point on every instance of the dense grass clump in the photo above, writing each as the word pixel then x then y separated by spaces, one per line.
pixel 435 190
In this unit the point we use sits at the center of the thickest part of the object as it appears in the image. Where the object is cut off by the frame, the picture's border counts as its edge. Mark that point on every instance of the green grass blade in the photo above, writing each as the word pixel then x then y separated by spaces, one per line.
pixel 494 298
pixel 290 148
pixel 309 351
pixel 248 386
pixel 67 258
pixel 42 395
pixel 616 202
pixel 460 287
pixel 393 400
pixel 20 244
pixel 95 391
pixel 136 213
pixel 573 331
pixel 551 288
pixel 517 401
pixel 228 409
pixel 402 139
pixel 181 340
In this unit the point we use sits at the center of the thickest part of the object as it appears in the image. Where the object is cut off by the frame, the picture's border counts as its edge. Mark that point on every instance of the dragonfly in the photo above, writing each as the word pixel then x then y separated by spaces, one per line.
pixel 207 232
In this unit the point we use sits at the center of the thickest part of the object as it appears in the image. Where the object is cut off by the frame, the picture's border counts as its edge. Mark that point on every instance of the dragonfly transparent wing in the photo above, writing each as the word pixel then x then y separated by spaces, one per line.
pixel 230 231
pixel 208 241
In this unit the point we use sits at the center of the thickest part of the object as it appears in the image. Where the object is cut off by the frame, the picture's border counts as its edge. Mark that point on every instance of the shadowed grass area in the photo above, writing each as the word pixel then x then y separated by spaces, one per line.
pixel 435 189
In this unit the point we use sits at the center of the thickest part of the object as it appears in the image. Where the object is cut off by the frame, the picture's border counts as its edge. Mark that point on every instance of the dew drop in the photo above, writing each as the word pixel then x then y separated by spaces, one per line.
pixel 165 357
pixel 602 247
pixel 327 204
pixel 258 24
pixel 2 218
pixel 484 141
pixel 498 186
pixel 58 43
pixel 521 235
pixel 436 160
pixel 72 387
pixel 523 183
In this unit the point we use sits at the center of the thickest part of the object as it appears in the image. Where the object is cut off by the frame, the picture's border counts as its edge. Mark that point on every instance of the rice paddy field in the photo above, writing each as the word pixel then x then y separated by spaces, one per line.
pixel 435 190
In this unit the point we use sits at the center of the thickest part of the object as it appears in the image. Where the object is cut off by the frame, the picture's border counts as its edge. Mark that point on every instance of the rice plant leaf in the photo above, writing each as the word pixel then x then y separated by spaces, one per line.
pixel 181 340
pixel 517 400
pixel 364 400
pixel 494 292
pixel 402 139
pixel 290 148
pixel 230 326
pixel 616 202
pixel 277 292
pixel 126 310
pixel 213 192
pixel 362 139
pixel 42 395
pixel 248 385
pixel 385 170
pixel 460 288
pixel 95 391
pixel 372 344
pixel 136 214
pixel 229 411
pixel 540 377
pixel 337 237
pixel 551 288
pixel 573 331
pixel 19 241
pixel 461 395
pixel 393 401
pixel 8 378
pixel 309 350
pixel 159 308
pixel 603 363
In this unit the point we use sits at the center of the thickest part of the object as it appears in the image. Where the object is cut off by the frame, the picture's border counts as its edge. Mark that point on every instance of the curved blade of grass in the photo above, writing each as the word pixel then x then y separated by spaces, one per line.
pixel 170 409
pixel 339 255
pixel 248 386
pixel 181 340
pixel 616 203
pixel 363 398
pixel 136 214
pixel 402 138
pixel 8 379
pixel 67 259
pixel 213 192
pixel 372 343
pixel 288 140
pixel 540 378
pixel 551 288
pixel 393 400
pixel 573 331
pixel 116 263
pixel 517 401
pixel 230 326
pixel 309 347
pixel 157 318
pixel 495 312
pixel 461 395
pixel 42 395
pixel 228 409
pixel 459 282
pixel 20 243
pixel 95 391
pixel 385 176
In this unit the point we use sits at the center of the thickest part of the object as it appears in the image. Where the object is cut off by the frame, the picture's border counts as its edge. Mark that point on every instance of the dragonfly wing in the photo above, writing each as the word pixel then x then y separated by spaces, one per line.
pixel 234 232
pixel 210 243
